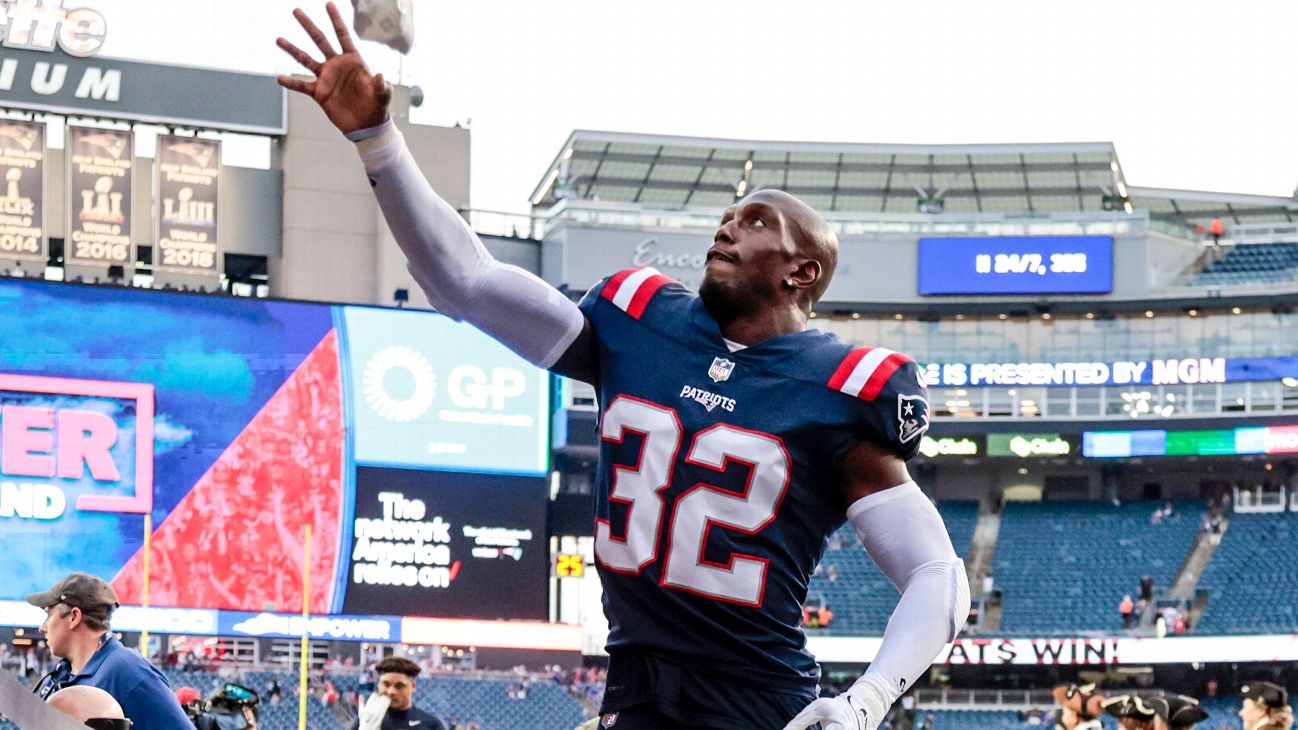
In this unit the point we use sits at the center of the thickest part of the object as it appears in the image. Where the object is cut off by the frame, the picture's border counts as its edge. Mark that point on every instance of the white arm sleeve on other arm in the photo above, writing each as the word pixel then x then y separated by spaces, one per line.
pixel 906 537
pixel 459 276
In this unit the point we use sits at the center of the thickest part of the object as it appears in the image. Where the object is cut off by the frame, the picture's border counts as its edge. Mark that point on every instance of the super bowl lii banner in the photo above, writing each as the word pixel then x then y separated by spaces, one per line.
pixel 99 197
pixel 22 199
pixel 188 176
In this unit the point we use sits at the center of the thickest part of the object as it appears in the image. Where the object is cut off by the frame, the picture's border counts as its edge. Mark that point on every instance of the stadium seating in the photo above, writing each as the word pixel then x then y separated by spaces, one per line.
pixel 1063 566
pixel 1252 579
pixel 857 592
pixel 984 720
pixel 1259 263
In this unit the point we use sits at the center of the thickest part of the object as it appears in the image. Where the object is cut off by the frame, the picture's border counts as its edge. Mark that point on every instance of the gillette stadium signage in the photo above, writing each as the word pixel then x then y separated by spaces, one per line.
pixel 1171 371
pixel 50 65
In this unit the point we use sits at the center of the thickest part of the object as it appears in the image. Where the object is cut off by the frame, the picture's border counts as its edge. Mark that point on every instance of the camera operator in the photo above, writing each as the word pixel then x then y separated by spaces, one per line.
pixel 234 707
pixel 392 707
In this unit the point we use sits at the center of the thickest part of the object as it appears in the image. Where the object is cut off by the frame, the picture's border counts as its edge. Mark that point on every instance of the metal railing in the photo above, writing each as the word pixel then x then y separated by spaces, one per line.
pixel 628 215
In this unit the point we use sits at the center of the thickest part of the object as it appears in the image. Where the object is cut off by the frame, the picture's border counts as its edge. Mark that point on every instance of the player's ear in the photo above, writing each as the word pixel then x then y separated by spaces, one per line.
pixel 805 274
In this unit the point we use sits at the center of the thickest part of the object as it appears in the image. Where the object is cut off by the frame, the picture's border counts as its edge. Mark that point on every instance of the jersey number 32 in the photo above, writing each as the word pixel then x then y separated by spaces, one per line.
pixel 701 507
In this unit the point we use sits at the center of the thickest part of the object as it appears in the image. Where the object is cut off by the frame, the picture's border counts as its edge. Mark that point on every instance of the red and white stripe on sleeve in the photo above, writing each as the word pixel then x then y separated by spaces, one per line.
pixel 865 371
pixel 632 289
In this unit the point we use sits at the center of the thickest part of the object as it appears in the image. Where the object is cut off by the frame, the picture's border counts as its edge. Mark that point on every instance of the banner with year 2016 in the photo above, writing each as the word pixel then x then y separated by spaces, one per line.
pixel 22 204
pixel 188 177
pixel 99 191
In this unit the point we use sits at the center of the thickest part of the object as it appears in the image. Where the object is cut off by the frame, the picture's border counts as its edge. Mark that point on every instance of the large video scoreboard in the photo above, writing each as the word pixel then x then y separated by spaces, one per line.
pixel 414 447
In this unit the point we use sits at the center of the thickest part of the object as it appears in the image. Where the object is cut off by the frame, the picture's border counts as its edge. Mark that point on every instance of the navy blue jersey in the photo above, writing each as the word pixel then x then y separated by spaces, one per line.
pixel 717 485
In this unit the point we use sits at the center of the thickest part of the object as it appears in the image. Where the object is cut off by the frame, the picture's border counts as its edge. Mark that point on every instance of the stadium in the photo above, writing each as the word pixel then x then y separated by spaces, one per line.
pixel 224 394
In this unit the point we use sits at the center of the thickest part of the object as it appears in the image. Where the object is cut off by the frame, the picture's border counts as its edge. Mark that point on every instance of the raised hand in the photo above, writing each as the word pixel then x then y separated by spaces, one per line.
pixel 350 96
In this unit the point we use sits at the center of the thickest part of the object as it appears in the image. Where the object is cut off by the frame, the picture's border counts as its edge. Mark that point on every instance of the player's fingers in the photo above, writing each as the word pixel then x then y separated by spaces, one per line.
pixel 382 90
pixel 340 28
pixel 299 55
pixel 315 33
pixel 810 715
pixel 299 85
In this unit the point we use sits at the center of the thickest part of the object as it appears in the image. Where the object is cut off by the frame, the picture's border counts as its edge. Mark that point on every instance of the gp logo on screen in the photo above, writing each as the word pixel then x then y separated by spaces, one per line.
pixel 61 436
pixel 432 392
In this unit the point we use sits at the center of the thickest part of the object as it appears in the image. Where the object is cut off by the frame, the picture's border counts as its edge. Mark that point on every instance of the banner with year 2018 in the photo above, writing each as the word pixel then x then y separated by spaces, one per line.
pixel 22 203
pixel 99 197
pixel 188 177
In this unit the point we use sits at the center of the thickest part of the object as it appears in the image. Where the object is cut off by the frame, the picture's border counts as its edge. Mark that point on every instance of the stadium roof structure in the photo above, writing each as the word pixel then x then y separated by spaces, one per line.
pixel 677 173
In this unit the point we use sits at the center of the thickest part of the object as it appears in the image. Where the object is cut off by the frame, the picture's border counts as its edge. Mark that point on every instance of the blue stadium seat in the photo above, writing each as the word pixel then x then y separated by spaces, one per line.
pixel 985 720
pixel 1064 566
pixel 1254 263
pixel 1252 579
pixel 861 597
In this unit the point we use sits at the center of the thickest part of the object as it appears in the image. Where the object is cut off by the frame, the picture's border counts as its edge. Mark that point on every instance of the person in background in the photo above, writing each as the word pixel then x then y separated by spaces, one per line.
pixel 84 703
pixel 1132 712
pixel 392 706
pixel 77 611
pixel 1079 707
pixel 1265 707
pixel 1177 712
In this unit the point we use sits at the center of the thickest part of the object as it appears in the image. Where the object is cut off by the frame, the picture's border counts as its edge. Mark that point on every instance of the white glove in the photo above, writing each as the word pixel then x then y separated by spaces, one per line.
pixel 844 712
pixel 374 710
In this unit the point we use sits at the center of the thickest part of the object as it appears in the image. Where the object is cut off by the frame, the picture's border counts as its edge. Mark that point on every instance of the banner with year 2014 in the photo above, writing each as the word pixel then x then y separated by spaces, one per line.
pixel 22 204
pixel 99 197
pixel 188 176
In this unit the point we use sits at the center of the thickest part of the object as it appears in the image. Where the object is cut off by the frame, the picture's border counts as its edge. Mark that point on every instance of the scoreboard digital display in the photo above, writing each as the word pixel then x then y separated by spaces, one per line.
pixel 236 424
pixel 1016 265
pixel 441 544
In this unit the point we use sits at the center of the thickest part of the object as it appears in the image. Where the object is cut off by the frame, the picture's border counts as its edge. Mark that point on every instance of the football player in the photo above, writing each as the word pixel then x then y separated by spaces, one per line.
pixel 733 441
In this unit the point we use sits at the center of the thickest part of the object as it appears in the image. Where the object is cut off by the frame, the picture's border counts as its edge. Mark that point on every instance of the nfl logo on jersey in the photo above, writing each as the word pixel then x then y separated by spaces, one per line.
pixel 721 369
pixel 912 416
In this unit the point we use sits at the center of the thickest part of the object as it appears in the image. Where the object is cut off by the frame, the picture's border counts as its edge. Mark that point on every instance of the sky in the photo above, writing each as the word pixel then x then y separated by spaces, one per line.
pixel 1195 95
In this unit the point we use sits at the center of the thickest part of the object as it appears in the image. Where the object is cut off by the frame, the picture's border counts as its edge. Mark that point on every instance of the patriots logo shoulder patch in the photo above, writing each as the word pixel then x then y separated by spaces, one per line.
pixel 912 417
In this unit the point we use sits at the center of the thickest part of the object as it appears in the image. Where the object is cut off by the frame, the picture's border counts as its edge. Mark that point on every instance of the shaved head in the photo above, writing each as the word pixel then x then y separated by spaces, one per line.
pixel 815 238
pixel 771 260
pixel 82 702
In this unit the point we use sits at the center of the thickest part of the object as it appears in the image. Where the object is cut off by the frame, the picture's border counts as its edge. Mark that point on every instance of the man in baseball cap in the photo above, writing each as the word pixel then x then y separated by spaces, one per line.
pixel 77 611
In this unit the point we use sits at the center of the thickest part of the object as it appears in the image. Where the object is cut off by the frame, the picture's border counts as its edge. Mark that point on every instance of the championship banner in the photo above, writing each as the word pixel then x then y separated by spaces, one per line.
pixel 22 206
pixel 188 176
pixel 99 197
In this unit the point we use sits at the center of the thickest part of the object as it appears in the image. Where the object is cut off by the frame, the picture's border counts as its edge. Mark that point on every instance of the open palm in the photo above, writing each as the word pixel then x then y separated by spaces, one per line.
pixel 350 96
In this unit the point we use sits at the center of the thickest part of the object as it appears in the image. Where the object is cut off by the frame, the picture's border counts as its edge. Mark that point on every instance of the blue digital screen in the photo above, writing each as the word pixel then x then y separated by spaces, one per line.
pixel 1016 265
pixel 430 392
pixel 238 426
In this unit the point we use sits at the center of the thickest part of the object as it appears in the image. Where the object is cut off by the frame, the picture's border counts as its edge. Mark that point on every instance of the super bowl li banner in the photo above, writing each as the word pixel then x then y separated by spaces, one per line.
pixel 99 197
pixel 22 205
pixel 188 175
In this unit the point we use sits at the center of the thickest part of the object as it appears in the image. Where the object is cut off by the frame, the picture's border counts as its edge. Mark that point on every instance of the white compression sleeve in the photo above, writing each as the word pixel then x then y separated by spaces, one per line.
pixel 459 276
pixel 906 537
